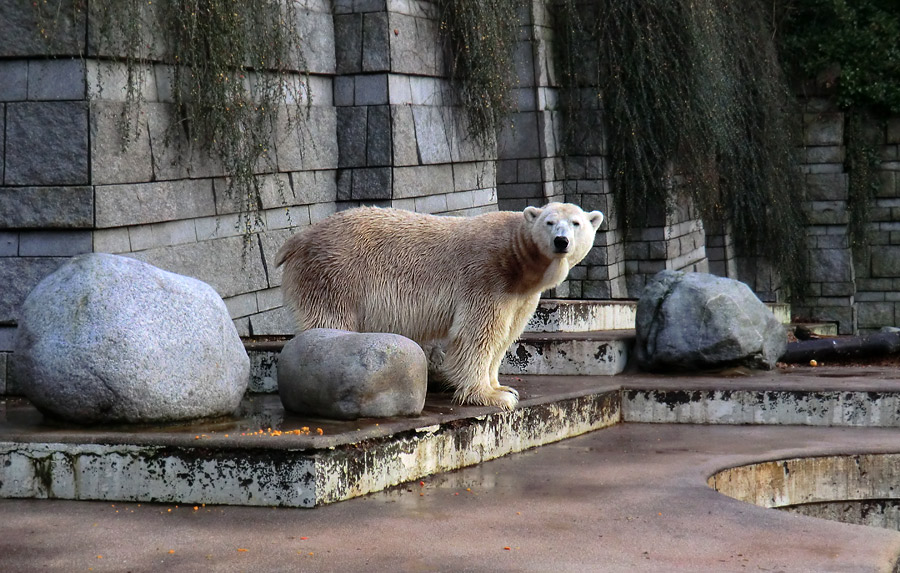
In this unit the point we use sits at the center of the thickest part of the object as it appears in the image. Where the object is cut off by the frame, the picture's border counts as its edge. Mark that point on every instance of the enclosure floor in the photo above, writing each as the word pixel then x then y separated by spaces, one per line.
pixel 629 497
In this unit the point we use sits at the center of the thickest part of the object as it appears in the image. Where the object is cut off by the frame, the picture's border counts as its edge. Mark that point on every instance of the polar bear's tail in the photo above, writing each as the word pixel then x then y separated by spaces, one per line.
pixel 286 251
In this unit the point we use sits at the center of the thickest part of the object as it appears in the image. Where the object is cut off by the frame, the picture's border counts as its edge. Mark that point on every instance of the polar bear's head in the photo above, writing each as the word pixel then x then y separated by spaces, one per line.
pixel 563 230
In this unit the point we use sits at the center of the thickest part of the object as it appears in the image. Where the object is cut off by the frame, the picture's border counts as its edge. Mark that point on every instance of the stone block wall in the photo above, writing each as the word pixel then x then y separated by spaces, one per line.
pixel 831 274
pixel 46 198
pixel 720 251
pixel 382 130
pixel 548 153
pixel 673 239
pixel 401 142
pixel 877 269
pixel 856 287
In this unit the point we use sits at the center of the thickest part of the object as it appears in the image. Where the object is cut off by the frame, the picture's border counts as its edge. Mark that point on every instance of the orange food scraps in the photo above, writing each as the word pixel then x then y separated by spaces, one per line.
pixel 304 431
pixel 171 551
pixel 304 538
pixel 507 548
pixel 242 550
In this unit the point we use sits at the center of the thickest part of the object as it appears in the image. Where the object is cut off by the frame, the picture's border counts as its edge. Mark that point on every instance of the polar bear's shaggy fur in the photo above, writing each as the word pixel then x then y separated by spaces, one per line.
pixel 466 286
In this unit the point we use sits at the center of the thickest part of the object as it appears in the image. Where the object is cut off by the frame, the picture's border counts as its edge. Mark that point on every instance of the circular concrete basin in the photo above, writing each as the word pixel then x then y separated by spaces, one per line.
pixel 863 489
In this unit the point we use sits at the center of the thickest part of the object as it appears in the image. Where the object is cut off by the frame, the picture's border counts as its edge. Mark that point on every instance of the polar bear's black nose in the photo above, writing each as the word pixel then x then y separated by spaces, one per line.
pixel 561 244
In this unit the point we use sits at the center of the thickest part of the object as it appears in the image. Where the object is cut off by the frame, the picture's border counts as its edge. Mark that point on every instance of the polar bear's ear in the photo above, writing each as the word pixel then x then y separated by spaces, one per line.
pixel 532 213
pixel 596 219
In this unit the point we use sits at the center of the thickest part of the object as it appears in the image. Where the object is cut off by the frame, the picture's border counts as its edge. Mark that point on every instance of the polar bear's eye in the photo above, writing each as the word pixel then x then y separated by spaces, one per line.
pixel 576 224
pixel 550 223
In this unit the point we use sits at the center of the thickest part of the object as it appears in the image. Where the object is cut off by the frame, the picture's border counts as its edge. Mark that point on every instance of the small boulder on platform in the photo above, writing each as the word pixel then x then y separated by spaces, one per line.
pixel 108 339
pixel 347 375
pixel 695 321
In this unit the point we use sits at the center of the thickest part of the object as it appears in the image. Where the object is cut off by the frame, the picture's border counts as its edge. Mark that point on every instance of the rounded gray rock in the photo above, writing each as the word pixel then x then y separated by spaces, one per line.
pixel 111 339
pixel 691 321
pixel 348 375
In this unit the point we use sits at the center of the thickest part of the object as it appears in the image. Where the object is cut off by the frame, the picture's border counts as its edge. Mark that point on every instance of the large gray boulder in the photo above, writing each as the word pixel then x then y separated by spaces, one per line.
pixel 348 375
pixel 691 321
pixel 111 339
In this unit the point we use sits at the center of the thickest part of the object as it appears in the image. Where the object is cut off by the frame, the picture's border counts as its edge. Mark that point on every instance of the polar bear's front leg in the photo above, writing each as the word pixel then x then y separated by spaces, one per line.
pixel 520 312
pixel 468 366
pixel 474 383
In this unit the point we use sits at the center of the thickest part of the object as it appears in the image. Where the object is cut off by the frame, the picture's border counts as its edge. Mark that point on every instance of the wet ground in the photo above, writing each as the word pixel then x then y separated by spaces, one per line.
pixel 629 498
pixel 633 497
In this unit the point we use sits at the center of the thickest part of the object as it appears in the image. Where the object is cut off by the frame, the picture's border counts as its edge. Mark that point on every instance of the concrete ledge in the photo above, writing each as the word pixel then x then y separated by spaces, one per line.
pixel 857 488
pixel 748 406
pixel 267 457
pixel 245 462
pixel 559 315
pixel 781 483
pixel 562 315
pixel 847 397
pixel 817 328
pixel 601 353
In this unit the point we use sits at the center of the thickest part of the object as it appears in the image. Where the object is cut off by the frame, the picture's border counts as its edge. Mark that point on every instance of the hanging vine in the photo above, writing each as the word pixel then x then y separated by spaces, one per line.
pixel 693 97
pixel 233 71
pixel 849 50
pixel 480 37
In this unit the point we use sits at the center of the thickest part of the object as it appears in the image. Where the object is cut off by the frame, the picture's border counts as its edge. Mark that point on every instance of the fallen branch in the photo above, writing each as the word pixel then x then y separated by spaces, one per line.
pixel 878 344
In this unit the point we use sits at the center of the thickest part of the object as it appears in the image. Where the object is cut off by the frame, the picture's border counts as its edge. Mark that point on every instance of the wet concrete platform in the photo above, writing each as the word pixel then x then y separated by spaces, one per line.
pixel 628 498
pixel 633 496
pixel 264 456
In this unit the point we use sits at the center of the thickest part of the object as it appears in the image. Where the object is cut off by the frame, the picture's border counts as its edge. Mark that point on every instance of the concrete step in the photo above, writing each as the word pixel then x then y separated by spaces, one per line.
pixel 832 396
pixel 564 337
pixel 819 328
pixel 560 315
pixel 781 310
pixel 596 353
pixel 265 456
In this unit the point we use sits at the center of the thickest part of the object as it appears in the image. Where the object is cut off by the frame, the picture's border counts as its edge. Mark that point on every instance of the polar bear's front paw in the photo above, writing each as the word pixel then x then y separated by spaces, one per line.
pixel 509 389
pixel 503 397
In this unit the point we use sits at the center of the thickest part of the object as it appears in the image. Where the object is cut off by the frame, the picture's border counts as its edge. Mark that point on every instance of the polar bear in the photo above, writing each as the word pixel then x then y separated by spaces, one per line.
pixel 463 288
